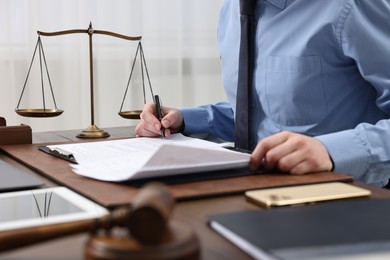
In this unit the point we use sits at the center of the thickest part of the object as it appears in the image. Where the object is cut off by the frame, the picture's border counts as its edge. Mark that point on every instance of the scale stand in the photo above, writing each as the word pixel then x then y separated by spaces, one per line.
pixel 92 131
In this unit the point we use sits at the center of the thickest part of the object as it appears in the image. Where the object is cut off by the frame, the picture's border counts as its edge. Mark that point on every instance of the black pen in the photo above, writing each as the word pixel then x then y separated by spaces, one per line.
pixel 159 113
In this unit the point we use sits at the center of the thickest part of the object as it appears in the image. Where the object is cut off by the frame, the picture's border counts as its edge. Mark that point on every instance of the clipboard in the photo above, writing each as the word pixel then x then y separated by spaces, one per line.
pixel 101 192
pixel 58 153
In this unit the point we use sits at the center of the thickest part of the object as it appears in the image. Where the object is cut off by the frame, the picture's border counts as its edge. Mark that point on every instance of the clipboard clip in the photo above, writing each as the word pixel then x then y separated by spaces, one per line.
pixel 58 152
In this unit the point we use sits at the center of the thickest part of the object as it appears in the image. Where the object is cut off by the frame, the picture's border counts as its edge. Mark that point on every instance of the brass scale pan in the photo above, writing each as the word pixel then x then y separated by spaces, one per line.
pixel 39 112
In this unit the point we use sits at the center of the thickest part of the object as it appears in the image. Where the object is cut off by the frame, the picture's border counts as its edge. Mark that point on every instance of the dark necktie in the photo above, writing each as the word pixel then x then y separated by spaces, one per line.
pixel 245 74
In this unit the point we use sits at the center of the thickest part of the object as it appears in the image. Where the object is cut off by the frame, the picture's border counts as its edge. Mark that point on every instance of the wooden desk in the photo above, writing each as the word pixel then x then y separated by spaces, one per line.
pixel 192 213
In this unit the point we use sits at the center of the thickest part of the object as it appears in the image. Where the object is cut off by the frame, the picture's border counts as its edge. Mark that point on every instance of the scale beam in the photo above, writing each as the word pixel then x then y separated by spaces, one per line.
pixel 91 31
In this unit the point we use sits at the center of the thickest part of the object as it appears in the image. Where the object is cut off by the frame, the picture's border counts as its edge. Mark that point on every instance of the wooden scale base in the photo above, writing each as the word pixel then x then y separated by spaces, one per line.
pixel 178 243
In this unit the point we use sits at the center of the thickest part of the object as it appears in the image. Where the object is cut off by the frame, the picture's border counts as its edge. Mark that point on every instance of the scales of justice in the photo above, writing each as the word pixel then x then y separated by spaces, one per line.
pixel 92 131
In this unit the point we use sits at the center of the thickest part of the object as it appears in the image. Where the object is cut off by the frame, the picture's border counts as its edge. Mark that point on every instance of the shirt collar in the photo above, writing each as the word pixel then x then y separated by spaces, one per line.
pixel 279 3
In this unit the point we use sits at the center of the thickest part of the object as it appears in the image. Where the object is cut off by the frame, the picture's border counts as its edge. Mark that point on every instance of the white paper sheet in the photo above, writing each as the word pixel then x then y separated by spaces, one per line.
pixel 136 158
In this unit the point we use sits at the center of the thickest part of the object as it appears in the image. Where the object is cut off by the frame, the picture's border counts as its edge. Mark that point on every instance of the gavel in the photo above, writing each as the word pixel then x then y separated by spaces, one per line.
pixel 146 221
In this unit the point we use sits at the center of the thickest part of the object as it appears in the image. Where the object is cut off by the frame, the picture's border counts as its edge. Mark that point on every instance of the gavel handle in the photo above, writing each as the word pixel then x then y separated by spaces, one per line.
pixel 27 236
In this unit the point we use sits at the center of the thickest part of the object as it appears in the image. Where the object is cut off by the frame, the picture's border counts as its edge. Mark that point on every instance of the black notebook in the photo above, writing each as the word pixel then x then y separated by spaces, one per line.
pixel 323 231
pixel 12 179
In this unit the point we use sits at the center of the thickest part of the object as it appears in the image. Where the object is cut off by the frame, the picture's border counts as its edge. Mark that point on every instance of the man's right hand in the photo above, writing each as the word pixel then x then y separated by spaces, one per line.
pixel 150 125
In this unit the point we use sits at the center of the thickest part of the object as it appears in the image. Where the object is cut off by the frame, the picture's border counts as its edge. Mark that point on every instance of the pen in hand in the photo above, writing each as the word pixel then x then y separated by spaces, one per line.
pixel 159 113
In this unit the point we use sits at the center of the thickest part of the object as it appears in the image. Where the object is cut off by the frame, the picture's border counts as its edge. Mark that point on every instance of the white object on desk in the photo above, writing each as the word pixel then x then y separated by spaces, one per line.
pixel 137 158
pixel 41 207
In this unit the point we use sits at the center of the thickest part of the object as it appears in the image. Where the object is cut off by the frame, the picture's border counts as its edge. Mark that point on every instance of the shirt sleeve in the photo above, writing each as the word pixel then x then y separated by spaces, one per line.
pixel 215 120
pixel 364 35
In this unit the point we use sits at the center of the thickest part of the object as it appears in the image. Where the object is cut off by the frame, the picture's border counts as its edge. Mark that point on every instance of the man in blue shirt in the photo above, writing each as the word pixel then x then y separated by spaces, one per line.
pixel 321 88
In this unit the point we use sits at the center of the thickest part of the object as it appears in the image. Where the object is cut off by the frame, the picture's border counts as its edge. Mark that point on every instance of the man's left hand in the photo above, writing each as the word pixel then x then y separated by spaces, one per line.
pixel 291 152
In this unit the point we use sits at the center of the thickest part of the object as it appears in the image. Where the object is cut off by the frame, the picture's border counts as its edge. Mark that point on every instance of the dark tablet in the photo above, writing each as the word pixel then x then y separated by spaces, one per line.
pixel 12 178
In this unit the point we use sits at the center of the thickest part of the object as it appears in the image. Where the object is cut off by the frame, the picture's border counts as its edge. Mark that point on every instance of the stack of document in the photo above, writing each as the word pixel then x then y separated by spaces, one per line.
pixel 139 158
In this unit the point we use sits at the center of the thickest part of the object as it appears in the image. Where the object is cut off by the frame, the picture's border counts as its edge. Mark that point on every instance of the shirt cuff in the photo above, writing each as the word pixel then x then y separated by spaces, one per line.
pixel 348 151
pixel 196 120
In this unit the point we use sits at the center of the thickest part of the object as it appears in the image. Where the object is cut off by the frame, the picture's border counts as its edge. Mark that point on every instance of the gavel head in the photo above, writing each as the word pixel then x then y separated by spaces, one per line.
pixel 151 236
pixel 147 219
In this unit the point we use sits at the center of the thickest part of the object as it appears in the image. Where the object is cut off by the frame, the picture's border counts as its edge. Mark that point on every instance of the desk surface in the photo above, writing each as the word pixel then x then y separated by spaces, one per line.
pixel 192 213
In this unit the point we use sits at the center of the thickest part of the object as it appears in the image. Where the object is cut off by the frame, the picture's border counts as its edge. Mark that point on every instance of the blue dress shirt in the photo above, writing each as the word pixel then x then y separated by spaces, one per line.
pixel 322 68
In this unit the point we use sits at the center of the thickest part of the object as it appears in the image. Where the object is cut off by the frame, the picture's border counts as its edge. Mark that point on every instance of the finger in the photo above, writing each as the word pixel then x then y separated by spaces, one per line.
pixel 311 164
pixel 173 120
pixel 150 131
pixel 146 133
pixel 261 154
pixel 256 159
pixel 145 129
pixel 301 168
pixel 169 118
pixel 148 115
pixel 282 156
pixel 303 161
pixel 167 132
pixel 290 161
pixel 149 108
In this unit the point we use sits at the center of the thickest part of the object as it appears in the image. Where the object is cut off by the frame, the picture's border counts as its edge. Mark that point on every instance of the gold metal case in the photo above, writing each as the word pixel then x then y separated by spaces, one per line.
pixel 304 194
